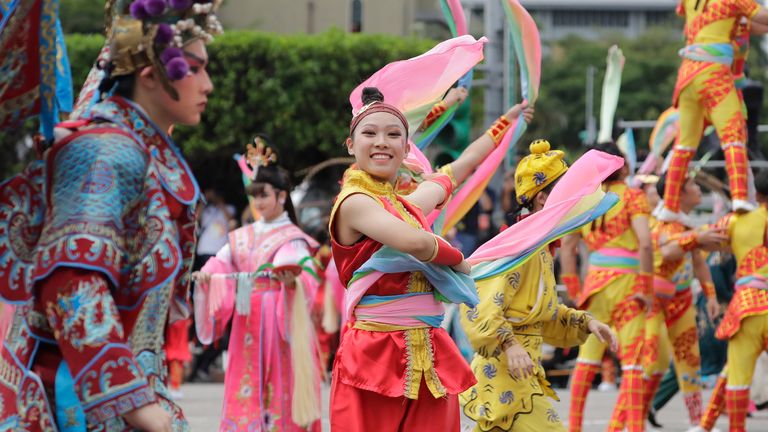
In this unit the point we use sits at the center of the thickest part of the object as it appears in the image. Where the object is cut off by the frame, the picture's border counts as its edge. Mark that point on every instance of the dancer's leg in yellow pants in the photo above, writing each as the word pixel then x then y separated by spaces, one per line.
pixel 743 349
pixel 710 97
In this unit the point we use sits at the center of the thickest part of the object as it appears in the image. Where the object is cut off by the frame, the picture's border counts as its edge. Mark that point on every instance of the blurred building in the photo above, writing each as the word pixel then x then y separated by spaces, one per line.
pixel 592 18
pixel 556 18
pixel 396 17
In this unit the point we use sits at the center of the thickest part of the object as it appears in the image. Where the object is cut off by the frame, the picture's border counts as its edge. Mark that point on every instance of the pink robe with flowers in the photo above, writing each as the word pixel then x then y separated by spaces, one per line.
pixel 259 377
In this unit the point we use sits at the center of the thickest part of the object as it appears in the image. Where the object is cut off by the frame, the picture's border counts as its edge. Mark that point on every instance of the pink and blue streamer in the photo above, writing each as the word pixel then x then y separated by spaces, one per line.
pixel 449 285
pixel 457 22
pixel 415 85
pixel 576 200
pixel 527 43
pixel 474 186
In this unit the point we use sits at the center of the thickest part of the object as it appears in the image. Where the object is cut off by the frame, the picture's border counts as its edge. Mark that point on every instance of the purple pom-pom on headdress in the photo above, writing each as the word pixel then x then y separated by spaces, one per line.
pixel 164 34
pixel 177 68
pixel 155 7
pixel 169 54
pixel 180 4
pixel 138 10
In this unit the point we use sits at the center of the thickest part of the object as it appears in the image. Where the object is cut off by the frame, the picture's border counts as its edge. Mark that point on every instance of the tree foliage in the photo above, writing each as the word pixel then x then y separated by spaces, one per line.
pixel 82 16
pixel 294 88
pixel 648 80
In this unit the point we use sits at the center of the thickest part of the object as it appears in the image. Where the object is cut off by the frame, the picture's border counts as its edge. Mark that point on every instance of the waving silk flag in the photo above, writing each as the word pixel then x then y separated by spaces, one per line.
pixel 457 23
pixel 577 199
pixel 416 84
pixel 664 132
pixel 527 44
pixel 527 47
pixel 610 96
pixel 626 143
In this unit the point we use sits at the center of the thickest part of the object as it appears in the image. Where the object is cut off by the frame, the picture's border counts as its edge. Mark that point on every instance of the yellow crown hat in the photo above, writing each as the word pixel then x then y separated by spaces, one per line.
pixel 537 170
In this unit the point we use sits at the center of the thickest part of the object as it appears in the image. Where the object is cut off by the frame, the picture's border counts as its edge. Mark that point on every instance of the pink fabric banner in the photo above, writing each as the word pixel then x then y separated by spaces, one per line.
pixel 582 179
pixel 415 84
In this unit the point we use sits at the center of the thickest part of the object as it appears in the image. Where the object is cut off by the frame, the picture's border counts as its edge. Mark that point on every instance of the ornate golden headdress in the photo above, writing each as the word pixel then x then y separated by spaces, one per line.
pixel 259 155
pixel 145 33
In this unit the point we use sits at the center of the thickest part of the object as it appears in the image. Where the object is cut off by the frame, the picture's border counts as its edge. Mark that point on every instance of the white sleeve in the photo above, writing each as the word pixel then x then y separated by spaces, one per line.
pixel 225 253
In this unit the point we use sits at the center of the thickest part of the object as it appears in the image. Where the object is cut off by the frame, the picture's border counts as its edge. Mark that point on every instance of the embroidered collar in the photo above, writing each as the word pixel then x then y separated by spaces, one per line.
pixel 363 180
pixel 173 171
pixel 262 226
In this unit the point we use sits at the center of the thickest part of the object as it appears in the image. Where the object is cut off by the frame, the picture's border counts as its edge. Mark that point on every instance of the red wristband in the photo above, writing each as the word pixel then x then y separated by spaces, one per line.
pixel 709 289
pixel 444 180
pixel 445 254
pixel 688 241
pixel 572 284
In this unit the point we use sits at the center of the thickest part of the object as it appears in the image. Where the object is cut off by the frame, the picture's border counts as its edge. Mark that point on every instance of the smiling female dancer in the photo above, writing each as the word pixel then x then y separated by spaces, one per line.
pixel 396 369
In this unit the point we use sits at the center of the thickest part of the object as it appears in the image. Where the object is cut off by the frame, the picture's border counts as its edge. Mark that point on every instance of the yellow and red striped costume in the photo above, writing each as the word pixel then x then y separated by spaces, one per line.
pixel 745 324
pixel 670 329
pixel 611 282
pixel 705 93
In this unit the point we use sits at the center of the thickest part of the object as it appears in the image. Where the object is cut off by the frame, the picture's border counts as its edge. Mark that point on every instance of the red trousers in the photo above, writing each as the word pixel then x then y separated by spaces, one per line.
pixel 357 410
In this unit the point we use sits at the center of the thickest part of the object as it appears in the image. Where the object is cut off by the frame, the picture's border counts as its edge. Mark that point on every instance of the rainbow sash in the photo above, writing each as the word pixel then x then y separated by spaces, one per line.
pixel 615 259
pixel 666 289
pixel 752 281
pixel 408 309
pixel 721 53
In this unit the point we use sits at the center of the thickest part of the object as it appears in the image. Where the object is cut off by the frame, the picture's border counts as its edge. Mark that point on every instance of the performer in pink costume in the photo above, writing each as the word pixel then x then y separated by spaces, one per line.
pixel 265 274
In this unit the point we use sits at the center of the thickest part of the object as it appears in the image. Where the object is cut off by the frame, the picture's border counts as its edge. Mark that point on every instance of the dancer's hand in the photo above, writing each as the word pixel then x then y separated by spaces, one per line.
pixel 521 108
pixel 150 418
pixel 201 277
pixel 462 267
pixel 604 334
pixel 645 301
pixel 287 277
pixel 519 362
pixel 713 308
pixel 456 95
pixel 712 239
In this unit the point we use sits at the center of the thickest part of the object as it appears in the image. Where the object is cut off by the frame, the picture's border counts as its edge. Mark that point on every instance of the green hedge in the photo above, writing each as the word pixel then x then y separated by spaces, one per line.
pixel 294 87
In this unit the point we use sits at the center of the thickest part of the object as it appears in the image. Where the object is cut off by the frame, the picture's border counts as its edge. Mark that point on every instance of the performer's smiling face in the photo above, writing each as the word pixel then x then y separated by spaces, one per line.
pixel 379 145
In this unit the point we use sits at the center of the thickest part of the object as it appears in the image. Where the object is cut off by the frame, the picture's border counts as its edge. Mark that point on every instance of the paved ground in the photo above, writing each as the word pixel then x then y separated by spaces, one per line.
pixel 202 405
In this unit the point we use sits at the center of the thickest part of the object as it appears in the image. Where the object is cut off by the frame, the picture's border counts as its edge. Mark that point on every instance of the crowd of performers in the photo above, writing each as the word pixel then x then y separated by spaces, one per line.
pixel 98 241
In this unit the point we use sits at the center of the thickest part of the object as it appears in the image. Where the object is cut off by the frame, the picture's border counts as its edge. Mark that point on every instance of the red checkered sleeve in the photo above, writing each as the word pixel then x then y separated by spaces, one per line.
pixel 748 8
pixel 637 203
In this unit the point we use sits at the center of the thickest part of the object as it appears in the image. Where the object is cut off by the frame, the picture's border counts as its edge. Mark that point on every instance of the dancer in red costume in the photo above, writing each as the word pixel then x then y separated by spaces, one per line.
pixel 397 372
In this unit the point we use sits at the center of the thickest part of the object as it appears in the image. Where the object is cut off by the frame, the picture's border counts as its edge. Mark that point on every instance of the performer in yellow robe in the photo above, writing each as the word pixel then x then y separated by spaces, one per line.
pixel 705 93
pixel 616 290
pixel 517 313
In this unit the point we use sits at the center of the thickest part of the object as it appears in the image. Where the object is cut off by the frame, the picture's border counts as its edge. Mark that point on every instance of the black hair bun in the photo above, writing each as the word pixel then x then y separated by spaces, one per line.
pixel 371 94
